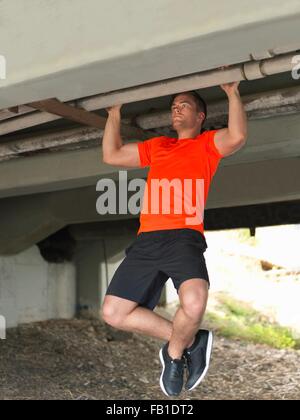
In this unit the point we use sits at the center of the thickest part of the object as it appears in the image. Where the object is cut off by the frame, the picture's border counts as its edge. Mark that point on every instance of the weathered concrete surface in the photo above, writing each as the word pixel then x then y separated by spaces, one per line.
pixel 33 290
pixel 75 49
pixel 27 220
pixel 269 139
pixel 42 194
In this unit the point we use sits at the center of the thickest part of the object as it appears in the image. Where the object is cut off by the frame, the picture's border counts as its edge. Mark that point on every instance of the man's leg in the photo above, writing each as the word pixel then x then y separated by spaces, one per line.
pixel 126 315
pixel 193 295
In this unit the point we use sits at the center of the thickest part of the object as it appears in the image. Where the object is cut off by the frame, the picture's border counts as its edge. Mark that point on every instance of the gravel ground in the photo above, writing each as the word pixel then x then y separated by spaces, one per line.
pixel 87 360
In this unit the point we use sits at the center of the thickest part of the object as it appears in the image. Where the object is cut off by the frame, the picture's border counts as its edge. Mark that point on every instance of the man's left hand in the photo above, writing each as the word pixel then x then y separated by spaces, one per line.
pixel 231 88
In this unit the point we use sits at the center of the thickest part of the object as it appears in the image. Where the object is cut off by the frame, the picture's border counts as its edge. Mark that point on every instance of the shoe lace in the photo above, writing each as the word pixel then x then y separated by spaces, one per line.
pixel 188 359
pixel 177 370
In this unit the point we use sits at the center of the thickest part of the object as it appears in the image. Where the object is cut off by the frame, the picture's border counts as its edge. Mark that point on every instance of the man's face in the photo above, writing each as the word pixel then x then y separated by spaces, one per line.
pixel 185 114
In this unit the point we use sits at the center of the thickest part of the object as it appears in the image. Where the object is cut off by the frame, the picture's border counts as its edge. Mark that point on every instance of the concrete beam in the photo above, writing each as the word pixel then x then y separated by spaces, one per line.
pixel 27 220
pixel 88 232
pixel 89 59
pixel 25 144
pixel 78 137
pixel 56 172
pixel 261 215
pixel 270 181
pixel 268 139
pixel 261 69
pixel 258 106
pixel 6 114
pixel 24 222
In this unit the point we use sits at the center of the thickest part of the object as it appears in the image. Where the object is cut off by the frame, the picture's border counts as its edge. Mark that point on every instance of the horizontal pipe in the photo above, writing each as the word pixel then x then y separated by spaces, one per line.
pixel 240 72
pixel 262 105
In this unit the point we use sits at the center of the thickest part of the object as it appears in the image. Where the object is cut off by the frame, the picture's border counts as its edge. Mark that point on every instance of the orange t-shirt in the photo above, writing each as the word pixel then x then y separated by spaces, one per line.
pixel 178 182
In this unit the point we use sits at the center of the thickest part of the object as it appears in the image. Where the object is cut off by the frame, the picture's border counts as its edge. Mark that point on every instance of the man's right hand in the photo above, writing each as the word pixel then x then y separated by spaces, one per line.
pixel 113 109
pixel 116 153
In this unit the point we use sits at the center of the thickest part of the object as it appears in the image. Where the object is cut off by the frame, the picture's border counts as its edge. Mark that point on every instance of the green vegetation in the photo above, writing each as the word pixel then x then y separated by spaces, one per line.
pixel 244 236
pixel 235 319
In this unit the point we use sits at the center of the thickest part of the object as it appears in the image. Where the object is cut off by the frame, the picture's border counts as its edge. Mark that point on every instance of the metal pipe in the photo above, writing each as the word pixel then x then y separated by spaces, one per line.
pixel 246 71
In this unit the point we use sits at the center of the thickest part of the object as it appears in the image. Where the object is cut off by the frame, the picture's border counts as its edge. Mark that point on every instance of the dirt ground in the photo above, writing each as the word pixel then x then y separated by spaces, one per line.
pixel 86 360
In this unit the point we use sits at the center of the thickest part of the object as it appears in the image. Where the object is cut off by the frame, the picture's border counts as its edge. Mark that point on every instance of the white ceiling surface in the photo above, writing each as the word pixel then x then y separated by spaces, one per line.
pixel 75 48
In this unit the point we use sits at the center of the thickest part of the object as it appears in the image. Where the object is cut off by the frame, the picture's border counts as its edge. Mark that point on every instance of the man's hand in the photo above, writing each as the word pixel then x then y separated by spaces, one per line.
pixel 231 88
pixel 229 140
pixel 113 109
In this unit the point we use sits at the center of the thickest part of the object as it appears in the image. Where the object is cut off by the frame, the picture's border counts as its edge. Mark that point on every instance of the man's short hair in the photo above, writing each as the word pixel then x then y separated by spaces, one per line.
pixel 200 102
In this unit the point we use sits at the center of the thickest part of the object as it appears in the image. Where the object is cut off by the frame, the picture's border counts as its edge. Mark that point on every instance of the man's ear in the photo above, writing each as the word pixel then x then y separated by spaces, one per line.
pixel 201 116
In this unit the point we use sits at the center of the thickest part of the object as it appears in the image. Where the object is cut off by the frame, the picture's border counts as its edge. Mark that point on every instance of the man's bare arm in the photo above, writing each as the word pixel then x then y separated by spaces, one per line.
pixel 229 140
pixel 114 151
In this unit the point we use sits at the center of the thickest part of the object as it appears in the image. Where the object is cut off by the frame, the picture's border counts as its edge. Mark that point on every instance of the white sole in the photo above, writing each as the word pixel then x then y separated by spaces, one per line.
pixel 161 377
pixel 208 356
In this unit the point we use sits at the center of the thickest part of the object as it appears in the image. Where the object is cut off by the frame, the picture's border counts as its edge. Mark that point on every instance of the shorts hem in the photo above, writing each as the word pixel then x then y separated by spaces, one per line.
pixel 193 277
pixel 130 299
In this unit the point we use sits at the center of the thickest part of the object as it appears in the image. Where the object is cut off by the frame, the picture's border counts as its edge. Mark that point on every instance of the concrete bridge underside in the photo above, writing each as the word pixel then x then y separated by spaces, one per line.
pixel 48 193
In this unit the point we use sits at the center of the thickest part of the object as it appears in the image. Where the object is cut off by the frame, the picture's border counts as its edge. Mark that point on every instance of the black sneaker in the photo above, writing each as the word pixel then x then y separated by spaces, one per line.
pixel 198 358
pixel 171 380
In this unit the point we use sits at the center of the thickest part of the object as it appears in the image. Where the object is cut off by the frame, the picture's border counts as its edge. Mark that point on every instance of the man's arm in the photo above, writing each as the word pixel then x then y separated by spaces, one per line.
pixel 114 151
pixel 229 140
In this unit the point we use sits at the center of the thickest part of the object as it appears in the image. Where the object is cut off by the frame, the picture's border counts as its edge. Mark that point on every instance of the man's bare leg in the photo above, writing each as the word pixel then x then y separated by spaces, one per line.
pixel 193 296
pixel 126 315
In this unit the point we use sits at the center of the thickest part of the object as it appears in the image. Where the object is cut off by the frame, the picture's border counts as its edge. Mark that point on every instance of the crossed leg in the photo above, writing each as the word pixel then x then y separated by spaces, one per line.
pixel 126 315
pixel 193 295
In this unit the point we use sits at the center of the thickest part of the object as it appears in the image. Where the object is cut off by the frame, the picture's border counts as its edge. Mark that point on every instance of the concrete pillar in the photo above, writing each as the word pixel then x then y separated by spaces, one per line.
pixel 91 276
pixel 63 276
pixel 97 261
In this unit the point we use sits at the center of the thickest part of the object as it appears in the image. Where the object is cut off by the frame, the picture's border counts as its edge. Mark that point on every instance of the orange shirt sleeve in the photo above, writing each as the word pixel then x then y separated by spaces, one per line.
pixel 145 152
pixel 214 156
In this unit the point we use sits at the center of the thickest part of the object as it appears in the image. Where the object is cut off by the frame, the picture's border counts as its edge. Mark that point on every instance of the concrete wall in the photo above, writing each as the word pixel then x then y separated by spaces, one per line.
pixel 34 290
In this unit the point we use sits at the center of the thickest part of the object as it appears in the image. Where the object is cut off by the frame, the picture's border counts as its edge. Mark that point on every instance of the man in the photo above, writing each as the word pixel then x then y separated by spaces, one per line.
pixel 172 244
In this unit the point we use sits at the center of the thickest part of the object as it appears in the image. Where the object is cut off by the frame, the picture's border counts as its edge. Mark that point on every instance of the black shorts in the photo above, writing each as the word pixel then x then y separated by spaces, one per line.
pixel 153 258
